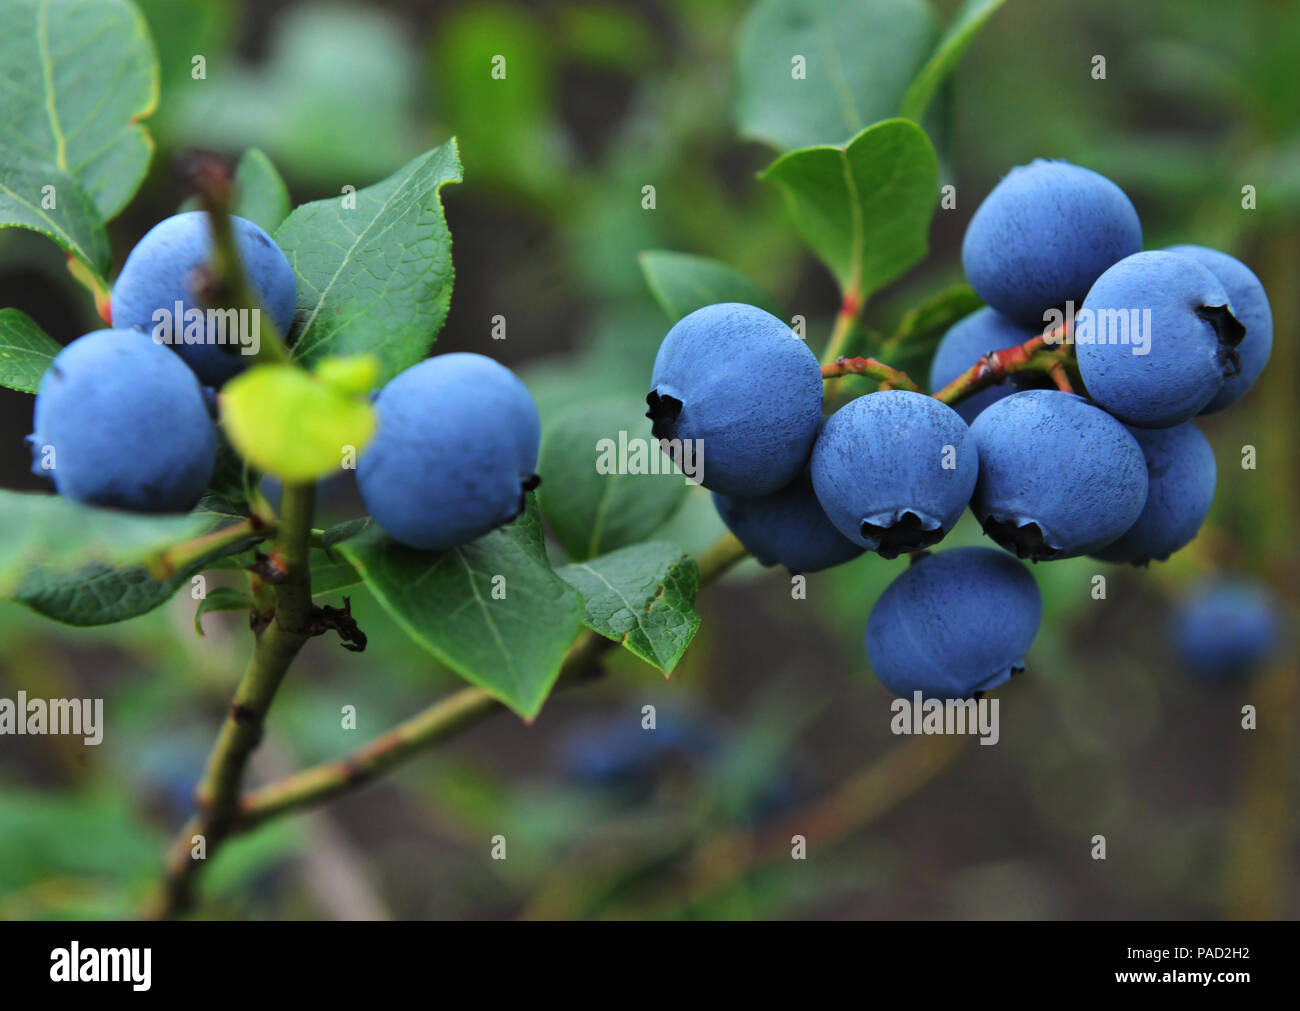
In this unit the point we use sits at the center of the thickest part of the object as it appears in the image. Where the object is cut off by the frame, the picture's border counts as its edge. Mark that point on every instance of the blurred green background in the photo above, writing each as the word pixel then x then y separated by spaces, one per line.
pixel 774 723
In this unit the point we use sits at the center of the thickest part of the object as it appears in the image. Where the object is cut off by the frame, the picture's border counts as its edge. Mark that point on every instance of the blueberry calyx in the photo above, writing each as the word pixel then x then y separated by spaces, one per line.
pixel 663 414
pixel 1025 540
pixel 1230 332
pixel 906 534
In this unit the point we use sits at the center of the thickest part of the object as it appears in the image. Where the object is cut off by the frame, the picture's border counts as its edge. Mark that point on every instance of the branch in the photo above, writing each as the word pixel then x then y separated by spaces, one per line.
pixel 439 721
pixel 845 320
pixel 890 378
pixel 1044 353
pixel 277 644
pixel 171 560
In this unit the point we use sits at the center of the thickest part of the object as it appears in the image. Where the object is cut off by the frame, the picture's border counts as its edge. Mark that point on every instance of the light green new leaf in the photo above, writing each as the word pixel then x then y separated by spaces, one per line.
pixel 594 500
pixel 48 200
pixel 682 283
pixel 865 208
pixel 491 610
pixel 857 59
pixel 78 76
pixel 25 351
pixel 261 197
pixel 642 596
pixel 374 267
pixel 961 33
pixel 291 424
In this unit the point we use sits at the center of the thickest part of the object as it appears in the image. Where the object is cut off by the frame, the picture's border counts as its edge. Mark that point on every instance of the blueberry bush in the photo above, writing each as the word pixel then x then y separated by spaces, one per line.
pixel 968 458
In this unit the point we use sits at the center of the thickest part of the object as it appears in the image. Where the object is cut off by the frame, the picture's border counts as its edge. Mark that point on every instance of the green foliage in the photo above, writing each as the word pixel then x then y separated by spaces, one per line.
pixel 221 598
pixel 504 122
pixel 860 55
pixel 332 103
pixel 591 512
pixel 682 283
pixel 865 208
pixel 375 277
pixel 492 610
pixel 643 597
pixel 262 197
pixel 80 77
pixel 25 351
pixel 960 34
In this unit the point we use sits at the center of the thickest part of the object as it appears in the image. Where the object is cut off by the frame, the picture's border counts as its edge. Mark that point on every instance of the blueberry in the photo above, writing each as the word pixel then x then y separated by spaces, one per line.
pixel 168 265
pixel 125 425
pixel 1044 235
pixel 967 341
pixel 1058 476
pixel 1180 487
pixel 618 754
pixel 894 470
pixel 1155 339
pixel 1250 305
pixel 1226 627
pixel 499 391
pixel 739 380
pixel 453 453
pixel 788 527
pixel 955 623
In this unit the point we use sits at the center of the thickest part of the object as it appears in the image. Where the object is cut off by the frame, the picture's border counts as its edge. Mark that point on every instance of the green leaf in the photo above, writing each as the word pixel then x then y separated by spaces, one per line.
pixel 491 610
pixel 642 596
pixel 375 277
pixel 966 24
pixel 935 314
pixel 262 196
pixel 593 512
pixel 221 598
pixel 83 566
pixel 860 56
pixel 62 535
pixel 864 209
pixel 25 351
pixel 682 283
pixel 26 189
pixel 290 424
pixel 331 573
pixel 79 75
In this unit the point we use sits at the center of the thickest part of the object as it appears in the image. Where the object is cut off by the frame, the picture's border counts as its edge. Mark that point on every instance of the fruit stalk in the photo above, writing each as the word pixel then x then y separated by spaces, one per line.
pixel 1044 353
pixel 277 644
pixel 889 377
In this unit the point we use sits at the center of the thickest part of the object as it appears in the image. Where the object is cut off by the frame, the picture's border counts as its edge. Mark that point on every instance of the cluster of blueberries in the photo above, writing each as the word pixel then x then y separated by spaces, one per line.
pixel 121 421
pixel 1121 474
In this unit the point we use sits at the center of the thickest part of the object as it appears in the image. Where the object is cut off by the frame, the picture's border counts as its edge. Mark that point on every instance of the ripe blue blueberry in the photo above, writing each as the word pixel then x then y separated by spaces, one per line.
pixel 894 470
pixel 1156 339
pixel 788 527
pixel 955 623
pixel 1250 305
pixel 614 753
pixel 967 341
pixel 452 456
pixel 742 383
pixel 1044 235
pixel 1180 487
pixel 119 421
pixel 167 266
pixel 1226 627
pixel 501 392
pixel 1058 476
